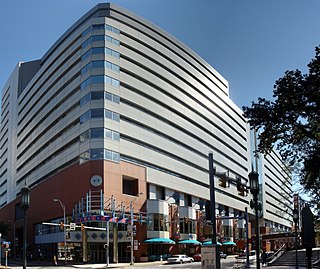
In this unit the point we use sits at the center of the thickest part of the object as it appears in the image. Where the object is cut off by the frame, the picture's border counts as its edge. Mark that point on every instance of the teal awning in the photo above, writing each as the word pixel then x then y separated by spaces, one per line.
pixel 209 242
pixel 159 240
pixel 230 243
pixel 189 241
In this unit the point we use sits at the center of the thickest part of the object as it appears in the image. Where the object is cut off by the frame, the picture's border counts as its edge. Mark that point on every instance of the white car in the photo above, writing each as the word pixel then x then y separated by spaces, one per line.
pixel 179 258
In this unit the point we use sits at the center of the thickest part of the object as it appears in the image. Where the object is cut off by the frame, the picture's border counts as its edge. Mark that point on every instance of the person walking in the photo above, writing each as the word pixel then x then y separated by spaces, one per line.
pixel 264 258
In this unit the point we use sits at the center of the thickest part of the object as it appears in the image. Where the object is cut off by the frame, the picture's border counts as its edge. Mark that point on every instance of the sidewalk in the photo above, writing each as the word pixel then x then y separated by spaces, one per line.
pixel 87 265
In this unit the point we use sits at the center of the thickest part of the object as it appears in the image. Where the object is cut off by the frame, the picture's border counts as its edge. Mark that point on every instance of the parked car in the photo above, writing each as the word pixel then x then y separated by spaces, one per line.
pixel 197 257
pixel 179 258
pixel 223 255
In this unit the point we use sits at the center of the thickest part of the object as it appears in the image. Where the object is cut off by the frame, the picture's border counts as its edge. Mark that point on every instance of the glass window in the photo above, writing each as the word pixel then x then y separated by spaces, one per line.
pixel 85 84
pixel 107 133
pixel 116 99
pixel 107 155
pixel 84 136
pixel 98 27
pixel 115 116
pixel 115 156
pixel 85 32
pixel 109 27
pixel 96 95
pixel 115 42
pixel 115 136
pixel 109 39
pixel 115 83
pixel 97 113
pixel 108 114
pixel 96 154
pixel 86 55
pixel 115 68
pixel 85 69
pixel 115 30
pixel 97 38
pixel 86 43
pixel 108 65
pixel 97 64
pixel 108 96
pixel 84 157
pixel 97 79
pixel 115 54
pixel 85 99
pixel 108 79
pixel 97 133
pixel 84 117
pixel 98 50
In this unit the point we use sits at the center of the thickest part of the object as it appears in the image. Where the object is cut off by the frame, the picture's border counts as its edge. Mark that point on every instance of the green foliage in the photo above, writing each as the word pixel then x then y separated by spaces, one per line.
pixel 291 123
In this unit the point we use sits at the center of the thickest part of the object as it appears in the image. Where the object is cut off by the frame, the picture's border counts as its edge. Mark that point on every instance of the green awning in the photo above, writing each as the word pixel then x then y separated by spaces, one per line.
pixel 159 240
pixel 230 243
pixel 189 241
pixel 209 242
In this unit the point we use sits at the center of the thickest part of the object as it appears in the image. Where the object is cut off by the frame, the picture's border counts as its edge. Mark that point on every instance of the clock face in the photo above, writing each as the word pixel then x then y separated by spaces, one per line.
pixel 96 180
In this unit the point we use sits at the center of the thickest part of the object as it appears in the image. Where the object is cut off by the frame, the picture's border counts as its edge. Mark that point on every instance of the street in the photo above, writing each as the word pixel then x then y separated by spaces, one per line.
pixel 225 263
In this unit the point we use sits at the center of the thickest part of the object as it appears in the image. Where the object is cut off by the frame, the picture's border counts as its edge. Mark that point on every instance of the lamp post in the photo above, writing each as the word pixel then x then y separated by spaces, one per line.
pixel 64 228
pixel 132 224
pixel 213 211
pixel 254 189
pixel 25 203
pixel 295 219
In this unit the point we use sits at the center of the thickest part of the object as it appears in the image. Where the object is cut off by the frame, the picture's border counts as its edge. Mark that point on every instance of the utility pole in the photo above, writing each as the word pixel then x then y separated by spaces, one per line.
pixel 108 243
pixel 213 210
pixel 247 237
pixel 131 222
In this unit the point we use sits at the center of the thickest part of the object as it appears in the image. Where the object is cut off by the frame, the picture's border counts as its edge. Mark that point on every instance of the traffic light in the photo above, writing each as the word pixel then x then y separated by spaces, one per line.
pixel 241 187
pixel 61 225
pixel 82 227
pixel 223 180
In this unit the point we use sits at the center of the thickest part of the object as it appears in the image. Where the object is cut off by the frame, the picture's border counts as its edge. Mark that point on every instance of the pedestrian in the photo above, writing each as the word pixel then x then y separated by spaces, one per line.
pixel 264 258
pixel 55 260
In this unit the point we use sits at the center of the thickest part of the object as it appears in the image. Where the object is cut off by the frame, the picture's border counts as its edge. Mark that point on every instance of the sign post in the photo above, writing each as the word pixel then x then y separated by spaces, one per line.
pixel 208 257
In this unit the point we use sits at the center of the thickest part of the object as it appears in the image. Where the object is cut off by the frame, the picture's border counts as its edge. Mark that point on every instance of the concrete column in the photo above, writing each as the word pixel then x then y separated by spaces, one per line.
pixel 115 243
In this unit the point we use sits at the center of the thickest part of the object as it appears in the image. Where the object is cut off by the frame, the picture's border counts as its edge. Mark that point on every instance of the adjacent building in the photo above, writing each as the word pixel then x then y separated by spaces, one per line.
pixel 116 121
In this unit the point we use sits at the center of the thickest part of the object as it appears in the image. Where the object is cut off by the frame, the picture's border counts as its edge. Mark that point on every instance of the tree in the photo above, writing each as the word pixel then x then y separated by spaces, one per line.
pixel 291 123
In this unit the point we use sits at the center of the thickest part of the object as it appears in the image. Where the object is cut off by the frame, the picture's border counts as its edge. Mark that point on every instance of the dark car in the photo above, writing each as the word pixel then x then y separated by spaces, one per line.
pixel 223 255
pixel 197 257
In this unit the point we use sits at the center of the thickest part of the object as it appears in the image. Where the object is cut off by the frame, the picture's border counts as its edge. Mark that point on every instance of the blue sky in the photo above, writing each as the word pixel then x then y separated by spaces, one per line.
pixel 249 42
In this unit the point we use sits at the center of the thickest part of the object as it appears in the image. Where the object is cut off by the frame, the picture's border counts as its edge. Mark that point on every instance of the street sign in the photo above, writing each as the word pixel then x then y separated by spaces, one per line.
pixel 135 244
pixel 72 226
pixel 208 257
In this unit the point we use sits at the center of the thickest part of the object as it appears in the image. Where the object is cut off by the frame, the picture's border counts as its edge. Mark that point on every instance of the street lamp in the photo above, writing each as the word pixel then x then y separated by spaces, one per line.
pixel 296 219
pixel 213 211
pixel 254 189
pixel 132 223
pixel 25 203
pixel 64 228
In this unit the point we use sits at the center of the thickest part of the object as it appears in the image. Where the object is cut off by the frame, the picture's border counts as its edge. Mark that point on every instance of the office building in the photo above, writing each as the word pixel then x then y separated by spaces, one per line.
pixel 116 121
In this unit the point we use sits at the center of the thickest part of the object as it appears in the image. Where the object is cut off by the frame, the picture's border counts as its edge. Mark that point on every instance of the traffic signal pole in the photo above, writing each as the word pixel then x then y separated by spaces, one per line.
pixel 213 210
